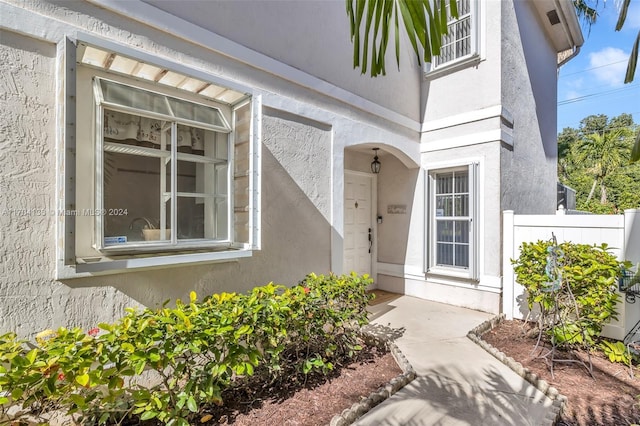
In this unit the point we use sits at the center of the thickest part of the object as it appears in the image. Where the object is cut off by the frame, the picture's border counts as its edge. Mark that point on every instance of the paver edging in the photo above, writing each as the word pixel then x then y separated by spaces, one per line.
pixel 559 400
pixel 359 409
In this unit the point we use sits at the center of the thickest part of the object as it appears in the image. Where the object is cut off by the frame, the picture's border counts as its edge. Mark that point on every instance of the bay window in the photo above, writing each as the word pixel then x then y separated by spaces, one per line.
pixel 165 163
pixel 164 171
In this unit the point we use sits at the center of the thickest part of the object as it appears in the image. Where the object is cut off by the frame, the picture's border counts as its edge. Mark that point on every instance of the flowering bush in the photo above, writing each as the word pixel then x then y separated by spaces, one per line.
pixel 166 364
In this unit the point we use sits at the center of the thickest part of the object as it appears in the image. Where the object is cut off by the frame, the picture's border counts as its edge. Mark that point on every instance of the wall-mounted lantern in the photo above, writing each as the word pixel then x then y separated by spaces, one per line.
pixel 375 164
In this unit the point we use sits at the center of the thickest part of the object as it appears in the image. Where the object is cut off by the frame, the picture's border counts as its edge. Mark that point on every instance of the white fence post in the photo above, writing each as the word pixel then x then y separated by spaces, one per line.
pixel 632 235
pixel 508 251
pixel 631 312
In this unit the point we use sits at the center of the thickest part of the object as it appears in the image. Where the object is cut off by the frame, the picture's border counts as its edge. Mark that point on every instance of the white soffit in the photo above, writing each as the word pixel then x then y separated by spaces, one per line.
pixel 114 62
pixel 559 20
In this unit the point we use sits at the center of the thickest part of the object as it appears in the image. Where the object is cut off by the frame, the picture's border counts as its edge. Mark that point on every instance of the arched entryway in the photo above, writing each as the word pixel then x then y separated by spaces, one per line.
pixel 367 200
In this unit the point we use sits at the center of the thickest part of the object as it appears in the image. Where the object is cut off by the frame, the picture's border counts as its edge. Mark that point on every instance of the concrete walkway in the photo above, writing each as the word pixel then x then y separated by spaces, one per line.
pixel 458 382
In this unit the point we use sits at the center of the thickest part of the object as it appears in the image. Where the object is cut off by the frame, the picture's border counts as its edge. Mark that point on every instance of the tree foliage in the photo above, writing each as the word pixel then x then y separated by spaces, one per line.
pixel 594 160
pixel 587 10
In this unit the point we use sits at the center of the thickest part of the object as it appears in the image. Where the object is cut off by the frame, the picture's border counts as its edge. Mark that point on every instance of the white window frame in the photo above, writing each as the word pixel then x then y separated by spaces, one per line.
pixel 172 243
pixel 66 210
pixel 430 265
pixel 474 52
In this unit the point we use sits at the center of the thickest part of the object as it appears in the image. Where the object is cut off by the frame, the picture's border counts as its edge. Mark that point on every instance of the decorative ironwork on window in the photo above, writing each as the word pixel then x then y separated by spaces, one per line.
pixel 458 43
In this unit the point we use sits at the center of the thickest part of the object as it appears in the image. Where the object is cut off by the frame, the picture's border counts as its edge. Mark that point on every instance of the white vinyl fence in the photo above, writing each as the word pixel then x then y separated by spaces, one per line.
pixel 620 232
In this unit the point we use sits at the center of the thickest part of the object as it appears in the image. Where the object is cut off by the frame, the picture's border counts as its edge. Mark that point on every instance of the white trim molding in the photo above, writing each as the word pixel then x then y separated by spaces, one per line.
pixel 467 117
pixel 474 139
pixel 474 268
pixel 499 117
pixel 91 269
pixel 408 272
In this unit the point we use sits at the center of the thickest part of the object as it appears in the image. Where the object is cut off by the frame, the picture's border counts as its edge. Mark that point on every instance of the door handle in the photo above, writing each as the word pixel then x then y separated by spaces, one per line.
pixel 370 240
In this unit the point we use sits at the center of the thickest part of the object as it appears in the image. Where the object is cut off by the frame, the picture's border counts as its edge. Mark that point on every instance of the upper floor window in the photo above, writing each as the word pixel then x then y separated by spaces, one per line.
pixel 461 41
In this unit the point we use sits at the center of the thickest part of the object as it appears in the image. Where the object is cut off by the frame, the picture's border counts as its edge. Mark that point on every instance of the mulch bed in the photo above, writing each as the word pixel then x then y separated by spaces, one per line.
pixel 310 403
pixel 610 398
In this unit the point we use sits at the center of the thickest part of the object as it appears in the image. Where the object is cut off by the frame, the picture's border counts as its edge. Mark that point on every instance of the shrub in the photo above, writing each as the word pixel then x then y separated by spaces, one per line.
pixel 574 286
pixel 167 363
pixel 617 352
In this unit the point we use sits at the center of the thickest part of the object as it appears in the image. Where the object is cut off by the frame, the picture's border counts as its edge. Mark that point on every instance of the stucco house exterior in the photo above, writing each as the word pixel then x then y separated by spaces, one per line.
pixel 150 148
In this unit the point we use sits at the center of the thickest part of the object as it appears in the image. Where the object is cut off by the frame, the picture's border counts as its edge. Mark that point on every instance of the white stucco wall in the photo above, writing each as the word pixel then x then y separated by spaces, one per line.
pixel 304 134
pixel 499 111
pixel 463 125
pixel 483 294
pixel 319 118
pixel 358 161
pixel 396 187
pixel 529 93
pixel 312 36
pixel 296 207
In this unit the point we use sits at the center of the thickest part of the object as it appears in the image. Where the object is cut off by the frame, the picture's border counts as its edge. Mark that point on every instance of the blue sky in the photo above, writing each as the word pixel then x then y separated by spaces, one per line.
pixel 592 82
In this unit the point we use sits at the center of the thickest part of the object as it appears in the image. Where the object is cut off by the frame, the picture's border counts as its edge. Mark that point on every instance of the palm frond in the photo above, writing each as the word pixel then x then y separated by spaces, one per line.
pixel 588 14
pixel 633 61
pixel 624 8
pixel 425 22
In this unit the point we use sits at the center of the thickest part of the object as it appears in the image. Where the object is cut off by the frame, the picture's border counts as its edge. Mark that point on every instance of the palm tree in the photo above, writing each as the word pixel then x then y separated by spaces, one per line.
pixel 603 153
pixel 425 22
pixel 589 15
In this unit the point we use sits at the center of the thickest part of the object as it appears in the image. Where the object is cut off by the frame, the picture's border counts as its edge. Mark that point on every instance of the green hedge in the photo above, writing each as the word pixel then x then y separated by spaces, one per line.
pixel 573 285
pixel 166 364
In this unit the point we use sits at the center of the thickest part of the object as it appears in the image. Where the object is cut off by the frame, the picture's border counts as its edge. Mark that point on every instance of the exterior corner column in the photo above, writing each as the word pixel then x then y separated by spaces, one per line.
pixel 508 250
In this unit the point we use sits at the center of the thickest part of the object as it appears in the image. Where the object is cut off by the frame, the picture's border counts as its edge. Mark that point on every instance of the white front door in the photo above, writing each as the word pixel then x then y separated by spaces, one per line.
pixel 358 226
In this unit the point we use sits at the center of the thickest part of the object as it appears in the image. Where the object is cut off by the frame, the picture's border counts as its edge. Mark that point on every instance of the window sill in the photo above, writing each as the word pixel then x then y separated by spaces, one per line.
pixel 450 67
pixel 165 247
pixel 107 267
pixel 441 271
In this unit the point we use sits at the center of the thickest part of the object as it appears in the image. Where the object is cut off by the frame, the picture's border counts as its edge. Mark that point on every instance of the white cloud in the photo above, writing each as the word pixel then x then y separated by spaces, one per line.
pixel 576 83
pixel 570 95
pixel 609 65
pixel 570 89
